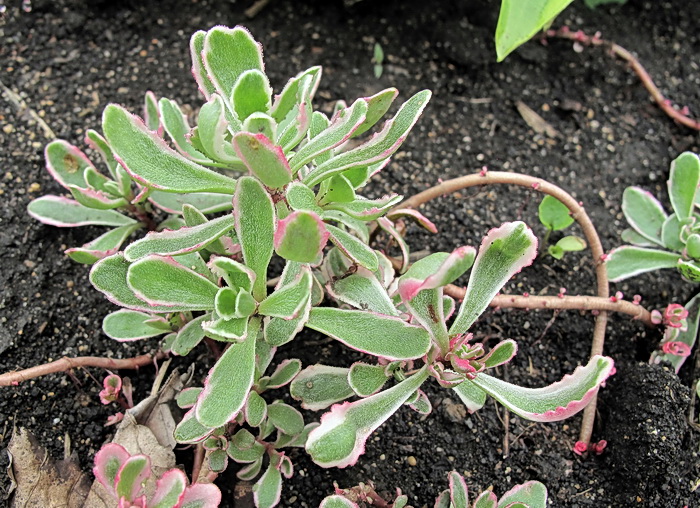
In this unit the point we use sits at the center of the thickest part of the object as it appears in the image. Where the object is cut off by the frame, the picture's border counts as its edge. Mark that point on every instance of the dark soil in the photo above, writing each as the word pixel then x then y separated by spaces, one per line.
pixel 69 58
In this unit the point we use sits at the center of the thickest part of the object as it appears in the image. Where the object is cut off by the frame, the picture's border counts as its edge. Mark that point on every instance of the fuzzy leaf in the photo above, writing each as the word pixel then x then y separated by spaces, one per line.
pixel 263 158
pixel 435 271
pixel 229 381
pixel 689 270
pixel 287 99
pixel 471 395
pixel 151 115
pixel 644 213
pixel 341 437
pixel 151 162
pixel 189 430
pixel 187 398
pixel 236 274
pixel 255 409
pixel 531 494
pixel 377 105
pixel 670 235
pixel 366 209
pixel 628 261
pixel 458 490
pixel 131 476
pixel 189 336
pixel 213 130
pixel 381 146
pixel 319 386
pixel 336 189
pixel 175 124
pixel 353 248
pixel 66 213
pixel 227 330
pixel 683 184
pixel 503 352
pixel 251 471
pixel 293 128
pixel 300 197
pixel 284 373
pixel 486 499
pixel 127 325
pixel 170 490
pixel 554 402
pixel 102 246
pixel 268 489
pixel 108 461
pixel 163 281
pixel 255 227
pixel 629 235
pixel 288 301
pixel 366 380
pixel 251 94
pixel 337 502
pixel 67 163
pixel 554 214
pixel 356 226
pixel 284 417
pixel 375 334
pixel 279 331
pixel 301 237
pixel 503 253
pixel 363 291
pixel 198 70
pixel 205 202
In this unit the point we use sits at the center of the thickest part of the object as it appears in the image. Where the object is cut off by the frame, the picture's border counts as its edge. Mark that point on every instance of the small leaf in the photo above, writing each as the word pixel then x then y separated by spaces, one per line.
pixel 628 261
pixel 670 235
pixel 683 184
pixel 198 70
pixel 555 251
pixel 151 162
pixel 187 397
pixel 503 352
pixel 261 123
pixel 67 163
pixel 201 495
pixel 363 291
pixel 227 330
pixel 531 494
pixel 268 489
pixel 255 409
pixel 284 373
pixel 644 213
pixel 436 271
pixel 375 334
pixel 170 490
pixel 301 237
pixel 300 197
pixel 353 248
pixel 366 209
pixel 236 275
pixel 341 437
pixel 102 246
pixel 378 104
pixel 554 402
pixel 486 499
pixel 213 131
pixel 687 335
pixel 554 214
pixel 189 336
pixel 151 115
pixel 108 461
pixel 189 430
pixel 458 490
pixel 690 270
pixel 284 417
pixel 336 189
pixel 249 472
pixel 366 380
pixel 263 158
pixel 251 94
pixel 176 126
pixel 131 476
pixel 66 213
pixel 319 386
pixel 128 325
pixel 288 301
pixel 229 381
pixel 337 502
pixel 205 202
pixel 571 244
pixel 285 101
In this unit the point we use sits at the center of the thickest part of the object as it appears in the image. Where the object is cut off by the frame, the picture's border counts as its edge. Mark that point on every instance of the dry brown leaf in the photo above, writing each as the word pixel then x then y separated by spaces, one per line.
pixel 40 481
pixel 535 121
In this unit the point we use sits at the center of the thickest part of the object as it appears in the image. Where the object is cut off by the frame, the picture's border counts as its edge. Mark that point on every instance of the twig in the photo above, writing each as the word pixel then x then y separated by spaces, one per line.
pixel 197 462
pixel 66 364
pixel 577 212
pixel 21 106
pixel 620 52
pixel 255 9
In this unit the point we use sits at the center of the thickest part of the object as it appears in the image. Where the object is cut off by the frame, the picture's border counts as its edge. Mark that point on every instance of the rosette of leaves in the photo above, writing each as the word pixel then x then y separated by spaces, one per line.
pixel 659 240
pixel 404 322
pixel 555 216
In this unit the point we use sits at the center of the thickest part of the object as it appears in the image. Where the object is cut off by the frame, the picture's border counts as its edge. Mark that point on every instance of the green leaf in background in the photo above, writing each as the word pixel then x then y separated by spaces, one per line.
pixel 554 214
pixel 627 261
pixel 644 213
pixel 520 20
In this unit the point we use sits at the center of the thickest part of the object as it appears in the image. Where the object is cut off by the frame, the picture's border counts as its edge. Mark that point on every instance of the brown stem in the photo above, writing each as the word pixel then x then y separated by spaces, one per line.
pixel 577 212
pixel 197 462
pixel 620 52
pixel 66 364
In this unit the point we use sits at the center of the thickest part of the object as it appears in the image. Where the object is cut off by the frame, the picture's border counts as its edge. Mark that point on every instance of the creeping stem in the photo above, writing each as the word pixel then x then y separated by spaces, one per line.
pixel 577 212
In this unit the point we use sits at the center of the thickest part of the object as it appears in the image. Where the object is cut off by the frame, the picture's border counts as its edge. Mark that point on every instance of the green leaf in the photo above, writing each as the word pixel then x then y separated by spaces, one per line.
pixel 67 163
pixel 285 101
pixel 261 123
pixel 375 334
pixel 301 197
pixel 99 144
pixel 288 301
pixel 163 281
pixel 337 502
pixel 571 244
pixel 628 261
pixel 471 395
pixel 503 253
pixel 629 235
pixel 365 379
pixel 131 476
pixel 127 325
pixel 227 330
pixel 340 439
pixel 229 381
pixel 236 275
pixel 554 402
pixel 213 131
pixel 176 126
pixel 519 21
pixel 366 209
pixel 319 386
pixel 458 490
pixel 503 352
pixel 362 290
pixel 263 158
pixel 96 199
pixel 268 489
pixel 293 128
pixel 198 70
pixel 251 94
pixel 102 246
pixel 554 214
pixel 435 271
pixel 301 237
pixel 66 213
pixel 255 227
pixel 690 270
pixel 285 418
pixel 336 189
pixel 243 447
pixel 683 184
pixel 531 494
pixel 151 115
pixel 251 471
pixel 205 202
pixel 189 430
pixel 189 336
pixel 379 147
pixel 486 499
pixel 255 409
pixel 284 373
pixel 151 162
pixel 181 241
pixel 670 235
pixel 377 105
pixel 353 248
pixel 644 213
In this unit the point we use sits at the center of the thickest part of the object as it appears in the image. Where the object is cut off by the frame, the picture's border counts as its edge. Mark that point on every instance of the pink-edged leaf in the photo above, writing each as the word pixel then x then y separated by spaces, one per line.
pixel 201 495
pixel 131 476
pixel 337 502
pixel 353 248
pixel 389 227
pixel 151 162
pixel 471 395
pixel 501 353
pixel 683 184
pixel 67 163
pixel 428 274
pixel 108 461
pixel 458 490
pixel 255 410
pixel 251 94
pixel 287 99
pixel 189 430
pixel 198 70
pixel 362 290
pixel 421 403
pixel 533 494
pixel 628 261
pixel 213 124
pixel 486 499
pixel 341 128
pixel 170 489
pixel 128 325
pixel 381 146
pixel 290 300
pixel 503 253
pixel 236 275
pixel 319 386
pixel 229 381
pixel 187 398
pixel 175 123
pixel 384 336
pixel 377 105
pixel 301 236
pixel 102 246
pixel 285 372
pixel 263 158
pixel 205 202
pixel 341 437
pixel 249 472
pixel 415 215
pixel 95 199
pixel 66 213
pixel 180 241
pixel 293 128
pixel 443 500
pixel 268 489
pixel 366 209
pixel 554 402
pixel 644 213
pixel 365 379
pixel 285 418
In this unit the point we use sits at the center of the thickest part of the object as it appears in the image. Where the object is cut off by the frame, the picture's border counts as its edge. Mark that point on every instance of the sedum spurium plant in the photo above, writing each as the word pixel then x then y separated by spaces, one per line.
pixel 658 240
pixel 287 184
pixel 531 494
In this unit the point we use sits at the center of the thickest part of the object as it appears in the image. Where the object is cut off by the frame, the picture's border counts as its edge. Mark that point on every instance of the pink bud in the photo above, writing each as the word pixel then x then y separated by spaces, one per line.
pixel 580 448
pixel 483 171
pixel 536 185
pixel 562 292
pixel 599 447
pixel 604 257
pixel 674 315
pixel 656 317
pixel 676 348
pixel 636 299
pixel 526 294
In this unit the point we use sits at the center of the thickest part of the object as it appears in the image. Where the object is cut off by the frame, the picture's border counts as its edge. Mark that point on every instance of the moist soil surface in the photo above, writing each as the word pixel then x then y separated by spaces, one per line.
pixel 67 59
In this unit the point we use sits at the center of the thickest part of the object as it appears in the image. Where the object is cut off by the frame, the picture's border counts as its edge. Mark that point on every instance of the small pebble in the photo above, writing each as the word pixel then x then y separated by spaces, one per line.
pixel 411 461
